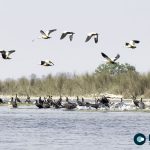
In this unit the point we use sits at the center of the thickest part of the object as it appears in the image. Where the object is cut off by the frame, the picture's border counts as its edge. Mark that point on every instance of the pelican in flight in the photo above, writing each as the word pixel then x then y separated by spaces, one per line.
pixel 109 60
pixel 6 54
pixel 65 33
pixel 46 35
pixel 46 63
pixel 90 35
pixel 132 44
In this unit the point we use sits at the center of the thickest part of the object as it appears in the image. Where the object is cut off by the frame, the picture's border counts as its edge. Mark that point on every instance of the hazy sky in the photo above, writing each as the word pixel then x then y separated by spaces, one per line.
pixel 117 21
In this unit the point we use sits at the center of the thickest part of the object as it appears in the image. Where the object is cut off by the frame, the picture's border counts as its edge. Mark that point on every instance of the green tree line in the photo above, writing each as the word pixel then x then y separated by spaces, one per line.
pixel 112 78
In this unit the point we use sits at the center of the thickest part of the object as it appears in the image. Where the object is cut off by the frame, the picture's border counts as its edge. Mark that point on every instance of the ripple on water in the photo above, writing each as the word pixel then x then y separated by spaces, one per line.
pixel 32 128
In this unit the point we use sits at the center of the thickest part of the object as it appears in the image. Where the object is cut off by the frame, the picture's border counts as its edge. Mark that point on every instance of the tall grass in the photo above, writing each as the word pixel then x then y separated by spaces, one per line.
pixel 127 83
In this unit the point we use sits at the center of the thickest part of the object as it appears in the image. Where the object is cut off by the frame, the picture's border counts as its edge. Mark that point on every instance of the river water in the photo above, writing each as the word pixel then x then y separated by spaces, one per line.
pixel 30 128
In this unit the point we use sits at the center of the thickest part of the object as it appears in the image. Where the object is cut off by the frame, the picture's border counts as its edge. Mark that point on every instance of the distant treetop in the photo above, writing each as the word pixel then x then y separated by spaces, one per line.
pixel 114 69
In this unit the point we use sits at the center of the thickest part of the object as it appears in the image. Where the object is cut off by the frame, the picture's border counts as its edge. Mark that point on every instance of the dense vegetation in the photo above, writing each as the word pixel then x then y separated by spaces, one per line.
pixel 117 79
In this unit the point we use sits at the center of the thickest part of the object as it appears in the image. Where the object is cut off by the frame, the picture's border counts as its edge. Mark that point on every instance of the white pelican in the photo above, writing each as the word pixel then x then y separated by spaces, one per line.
pixel 46 63
pixel 65 33
pixel 109 60
pixel 46 35
pixel 90 35
pixel 6 54
pixel 132 44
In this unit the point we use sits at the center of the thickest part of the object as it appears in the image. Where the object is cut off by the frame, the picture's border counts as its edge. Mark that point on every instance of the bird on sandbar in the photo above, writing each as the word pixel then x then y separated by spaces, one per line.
pixel 12 103
pixel 141 104
pixel 65 33
pixel 46 63
pixel 132 44
pixel 6 54
pixel 109 60
pixel 90 35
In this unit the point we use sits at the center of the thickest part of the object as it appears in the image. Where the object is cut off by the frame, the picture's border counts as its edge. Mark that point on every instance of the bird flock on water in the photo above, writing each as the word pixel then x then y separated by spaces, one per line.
pixel 69 34
pixel 103 103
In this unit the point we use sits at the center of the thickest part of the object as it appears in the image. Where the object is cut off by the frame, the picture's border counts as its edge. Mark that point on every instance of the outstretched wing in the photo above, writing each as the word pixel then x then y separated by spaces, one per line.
pixel 43 33
pixel 71 37
pixel 106 57
pixel 127 44
pixel 117 56
pixel 63 35
pixel 133 42
pixel 88 38
pixel 51 63
pixel 96 38
pixel 136 41
pixel 42 62
pixel 10 52
pixel 50 31
pixel 2 51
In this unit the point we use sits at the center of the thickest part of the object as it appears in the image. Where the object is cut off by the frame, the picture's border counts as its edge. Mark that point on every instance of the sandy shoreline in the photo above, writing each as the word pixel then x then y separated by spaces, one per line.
pixel 112 97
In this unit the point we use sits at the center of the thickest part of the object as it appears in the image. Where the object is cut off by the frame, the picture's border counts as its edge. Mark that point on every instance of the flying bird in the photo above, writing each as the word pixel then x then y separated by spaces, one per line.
pixel 109 60
pixel 46 63
pixel 6 54
pixel 90 35
pixel 46 35
pixel 132 44
pixel 65 33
